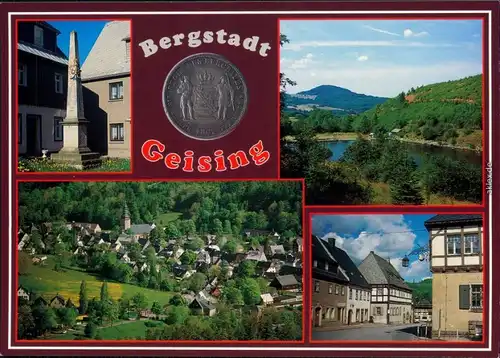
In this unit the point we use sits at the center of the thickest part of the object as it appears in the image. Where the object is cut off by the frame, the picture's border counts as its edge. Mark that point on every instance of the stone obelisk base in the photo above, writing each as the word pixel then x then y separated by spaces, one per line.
pixel 75 152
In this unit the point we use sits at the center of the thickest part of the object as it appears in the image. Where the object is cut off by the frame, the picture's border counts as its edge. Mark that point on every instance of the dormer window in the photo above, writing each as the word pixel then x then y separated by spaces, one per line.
pixel 38 39
pixel 326 266
pixel 315 263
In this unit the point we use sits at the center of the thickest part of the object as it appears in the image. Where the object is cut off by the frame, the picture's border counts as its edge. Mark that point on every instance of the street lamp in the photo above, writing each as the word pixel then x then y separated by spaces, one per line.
pixel 421 252
pixel 405 261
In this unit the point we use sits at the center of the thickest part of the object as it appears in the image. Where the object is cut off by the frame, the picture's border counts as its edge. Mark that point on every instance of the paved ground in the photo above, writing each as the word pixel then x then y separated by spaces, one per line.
pixel 373 333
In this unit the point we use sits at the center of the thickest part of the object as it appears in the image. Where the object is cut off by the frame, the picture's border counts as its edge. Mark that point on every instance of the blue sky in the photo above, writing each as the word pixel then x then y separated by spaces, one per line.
pixel 87 31
pixel 380 57
pixel 389 236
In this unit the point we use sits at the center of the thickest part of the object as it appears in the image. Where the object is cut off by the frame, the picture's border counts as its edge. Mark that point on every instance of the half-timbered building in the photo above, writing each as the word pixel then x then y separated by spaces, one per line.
pixel 391 297
pixel 456 262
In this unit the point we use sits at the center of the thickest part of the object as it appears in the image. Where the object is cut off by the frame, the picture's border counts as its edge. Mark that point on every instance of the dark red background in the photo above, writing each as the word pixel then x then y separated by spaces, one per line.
pixel 156 125
pixel 260 73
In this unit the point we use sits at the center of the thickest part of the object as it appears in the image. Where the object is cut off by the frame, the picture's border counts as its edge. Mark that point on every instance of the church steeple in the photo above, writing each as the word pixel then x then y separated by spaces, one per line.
pixel 125 218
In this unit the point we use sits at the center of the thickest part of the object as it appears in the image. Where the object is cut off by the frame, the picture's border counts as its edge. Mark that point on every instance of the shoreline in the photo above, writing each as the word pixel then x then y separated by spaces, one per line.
pixel 348 136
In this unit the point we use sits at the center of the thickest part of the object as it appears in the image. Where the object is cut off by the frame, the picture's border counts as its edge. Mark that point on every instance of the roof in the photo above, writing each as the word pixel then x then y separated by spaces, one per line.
pixel 349 267
pixel 266 297
pixel 203 303
pixel 396 130
pixel 108 55
pixel 320 252
pixel 48 26
pixel 379 271
pixel 287 280
pixel 141 229
pixel 440 220
pixel 48 55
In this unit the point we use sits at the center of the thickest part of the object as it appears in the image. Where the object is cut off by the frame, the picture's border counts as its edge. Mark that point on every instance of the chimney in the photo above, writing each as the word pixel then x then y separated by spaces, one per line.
pixel 331 241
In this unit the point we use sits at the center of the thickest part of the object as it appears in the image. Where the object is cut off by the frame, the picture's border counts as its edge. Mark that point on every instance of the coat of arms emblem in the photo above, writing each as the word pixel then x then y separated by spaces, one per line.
pixel 205 97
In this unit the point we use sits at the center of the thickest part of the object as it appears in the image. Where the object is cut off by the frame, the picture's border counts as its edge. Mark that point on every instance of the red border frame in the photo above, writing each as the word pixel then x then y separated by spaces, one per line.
pixel 433 344
pixel 71 343
pixel 15 90
pixel 485 102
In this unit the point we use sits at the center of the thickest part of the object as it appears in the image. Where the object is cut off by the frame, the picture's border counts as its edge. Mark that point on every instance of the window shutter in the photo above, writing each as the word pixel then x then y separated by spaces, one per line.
pixel 464 297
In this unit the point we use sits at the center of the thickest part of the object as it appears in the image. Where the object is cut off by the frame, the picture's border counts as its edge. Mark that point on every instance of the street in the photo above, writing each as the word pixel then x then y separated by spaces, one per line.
pixel 384 333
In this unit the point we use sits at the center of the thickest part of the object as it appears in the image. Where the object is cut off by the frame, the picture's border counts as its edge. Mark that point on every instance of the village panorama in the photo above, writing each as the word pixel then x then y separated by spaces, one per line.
pixel 160 261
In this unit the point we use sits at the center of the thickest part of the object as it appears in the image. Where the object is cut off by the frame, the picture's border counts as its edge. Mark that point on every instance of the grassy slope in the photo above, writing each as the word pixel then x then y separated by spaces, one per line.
pixel 382 196
pixel 164 219
pixel 422 289
pixel 441 100
pixel 47 282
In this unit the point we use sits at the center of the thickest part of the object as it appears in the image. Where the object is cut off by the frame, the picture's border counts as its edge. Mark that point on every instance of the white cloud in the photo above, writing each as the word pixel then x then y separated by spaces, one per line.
pixel 381 31
pixel 389 236
pixel 410 33
pixel 382 80
pixel 476 35
pixel 301 63
pixel 298 46
pixel 363 58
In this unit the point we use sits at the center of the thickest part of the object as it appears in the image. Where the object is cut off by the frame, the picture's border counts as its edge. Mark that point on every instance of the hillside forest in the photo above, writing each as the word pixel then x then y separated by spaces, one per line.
pixel 377 168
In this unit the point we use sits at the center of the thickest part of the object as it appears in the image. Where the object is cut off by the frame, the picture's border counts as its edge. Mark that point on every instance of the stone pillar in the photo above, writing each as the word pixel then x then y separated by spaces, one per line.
pixel 75 151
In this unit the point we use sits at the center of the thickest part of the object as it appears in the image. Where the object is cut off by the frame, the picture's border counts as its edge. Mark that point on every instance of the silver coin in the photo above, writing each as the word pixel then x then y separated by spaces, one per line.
pixel 205 96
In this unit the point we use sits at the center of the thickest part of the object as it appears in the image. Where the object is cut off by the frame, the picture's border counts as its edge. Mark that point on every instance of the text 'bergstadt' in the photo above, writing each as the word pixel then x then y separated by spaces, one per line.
pixel 195 39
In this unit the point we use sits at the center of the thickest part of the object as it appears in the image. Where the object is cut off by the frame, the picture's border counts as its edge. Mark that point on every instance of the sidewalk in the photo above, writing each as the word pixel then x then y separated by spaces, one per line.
pixel 336 326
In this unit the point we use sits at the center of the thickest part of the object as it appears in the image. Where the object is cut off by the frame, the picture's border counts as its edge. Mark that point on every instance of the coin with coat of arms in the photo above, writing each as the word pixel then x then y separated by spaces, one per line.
pixel 205 96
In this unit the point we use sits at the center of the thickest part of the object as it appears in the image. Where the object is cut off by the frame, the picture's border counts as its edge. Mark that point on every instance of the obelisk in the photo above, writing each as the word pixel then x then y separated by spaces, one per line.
pixel 75 151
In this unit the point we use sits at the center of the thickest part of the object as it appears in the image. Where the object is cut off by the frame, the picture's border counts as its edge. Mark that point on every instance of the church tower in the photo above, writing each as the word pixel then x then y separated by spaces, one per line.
pixel 125 218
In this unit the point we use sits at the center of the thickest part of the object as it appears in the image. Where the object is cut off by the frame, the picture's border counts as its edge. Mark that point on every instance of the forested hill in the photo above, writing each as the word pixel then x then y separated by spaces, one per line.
pixel 336 99
pixel 213 206
pixel 448 112
pixel 422 291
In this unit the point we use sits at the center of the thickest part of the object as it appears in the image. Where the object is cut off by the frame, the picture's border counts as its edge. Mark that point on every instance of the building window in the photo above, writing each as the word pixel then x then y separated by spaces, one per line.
pixel 380 292
pixel 368 294
pixel 350 293
pixel 58 129
pixel 471 244
pixel 22 75
pixel 19 128
pixel 476 296
pixel 115 91
pixel 454 244
pixel 336 289
pixel 342 291
pixel 38 36
pixel 356 294
pixel 58 80
pixel 315 263
pixel 326 266
pixel 316 286
pixel 330 288
pixel 127 50
pixel 117 132
pixel 470 297
pixel 378 311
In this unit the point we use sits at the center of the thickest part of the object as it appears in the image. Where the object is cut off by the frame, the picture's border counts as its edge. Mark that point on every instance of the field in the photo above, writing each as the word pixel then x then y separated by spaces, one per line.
pixel 165 218
pixel 45 281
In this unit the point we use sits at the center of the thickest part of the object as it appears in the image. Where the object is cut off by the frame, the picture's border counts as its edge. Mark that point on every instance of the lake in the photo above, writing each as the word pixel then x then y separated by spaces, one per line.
pixel 417 151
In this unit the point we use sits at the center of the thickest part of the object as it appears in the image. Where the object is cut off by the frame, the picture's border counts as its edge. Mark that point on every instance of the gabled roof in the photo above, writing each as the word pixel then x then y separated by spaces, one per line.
pixel 440 220
pixel 287 280
pixel 379 271
pixel 348 266
pixel 139 229
pixel 108 55
pixel 321 252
